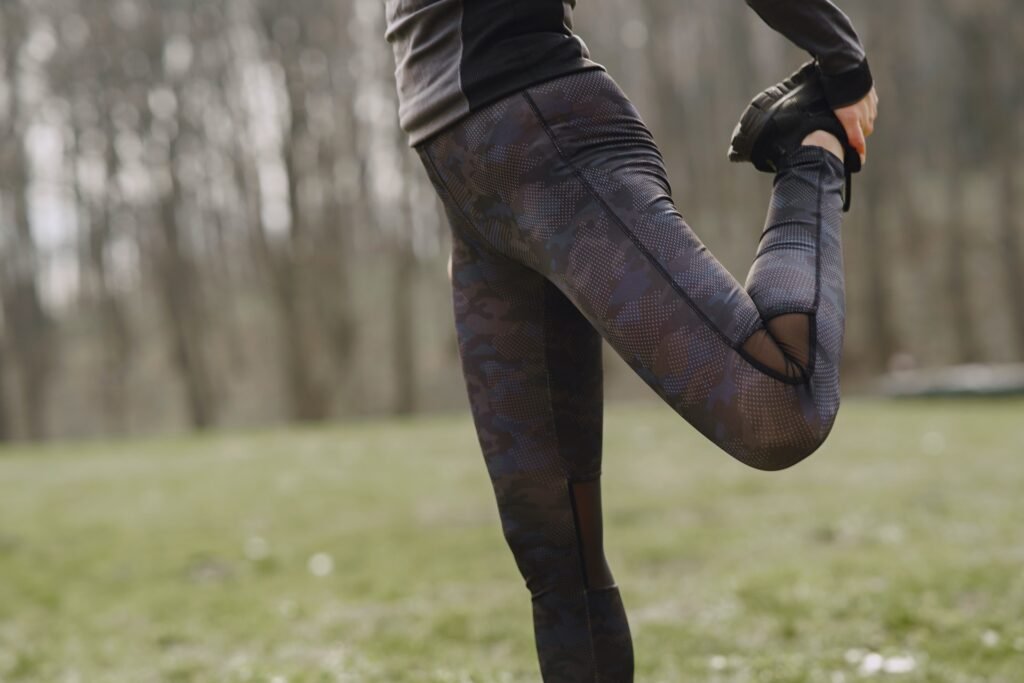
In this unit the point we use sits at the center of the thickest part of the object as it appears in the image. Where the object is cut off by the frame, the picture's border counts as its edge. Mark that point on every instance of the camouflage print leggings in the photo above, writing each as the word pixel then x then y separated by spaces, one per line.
pixel 565 233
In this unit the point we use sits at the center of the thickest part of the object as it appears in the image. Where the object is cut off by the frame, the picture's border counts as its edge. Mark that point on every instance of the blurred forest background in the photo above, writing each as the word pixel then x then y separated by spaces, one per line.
pixel 208 214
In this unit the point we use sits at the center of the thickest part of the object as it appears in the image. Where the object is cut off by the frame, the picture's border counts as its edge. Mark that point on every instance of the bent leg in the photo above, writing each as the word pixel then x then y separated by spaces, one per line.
pixel 532 366
pixel 567 181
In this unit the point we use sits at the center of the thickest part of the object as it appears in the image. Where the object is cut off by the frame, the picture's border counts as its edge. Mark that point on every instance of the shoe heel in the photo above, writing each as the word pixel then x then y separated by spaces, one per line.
pixel 741 146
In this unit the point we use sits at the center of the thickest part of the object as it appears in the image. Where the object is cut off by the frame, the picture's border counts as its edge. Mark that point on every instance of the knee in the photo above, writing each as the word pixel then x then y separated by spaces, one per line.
pixel 780 455
pixel 776 449
pixel 558 548
pixel 545 563
pixel 548 570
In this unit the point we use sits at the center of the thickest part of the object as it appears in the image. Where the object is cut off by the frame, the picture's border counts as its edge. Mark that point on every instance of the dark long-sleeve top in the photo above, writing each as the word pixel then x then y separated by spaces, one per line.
pixel 454 56
pixel 822 29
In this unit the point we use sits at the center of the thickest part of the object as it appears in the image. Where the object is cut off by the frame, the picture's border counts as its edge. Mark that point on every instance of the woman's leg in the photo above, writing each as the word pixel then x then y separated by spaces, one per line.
pixel 562 216
pixel 532 365
pixel 565 180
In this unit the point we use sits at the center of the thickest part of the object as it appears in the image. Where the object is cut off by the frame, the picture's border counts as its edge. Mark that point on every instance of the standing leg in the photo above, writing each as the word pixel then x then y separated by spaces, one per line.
pixel 532 366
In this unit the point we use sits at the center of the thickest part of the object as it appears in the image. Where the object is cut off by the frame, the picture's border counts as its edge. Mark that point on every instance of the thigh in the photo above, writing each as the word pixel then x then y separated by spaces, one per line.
pixel 532 367
pixel 566 180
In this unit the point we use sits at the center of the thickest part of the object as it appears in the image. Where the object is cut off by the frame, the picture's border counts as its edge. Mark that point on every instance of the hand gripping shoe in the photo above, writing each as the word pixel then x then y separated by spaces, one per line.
pixel 776 122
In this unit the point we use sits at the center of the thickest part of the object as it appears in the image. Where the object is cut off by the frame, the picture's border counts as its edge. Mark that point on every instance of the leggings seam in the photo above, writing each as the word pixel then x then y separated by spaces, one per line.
pixel 812 352
pixel 566 474
pixel 658 267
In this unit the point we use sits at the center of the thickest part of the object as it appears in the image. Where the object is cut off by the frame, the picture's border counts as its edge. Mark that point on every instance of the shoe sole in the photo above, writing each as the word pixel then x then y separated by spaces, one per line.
pixel 756 118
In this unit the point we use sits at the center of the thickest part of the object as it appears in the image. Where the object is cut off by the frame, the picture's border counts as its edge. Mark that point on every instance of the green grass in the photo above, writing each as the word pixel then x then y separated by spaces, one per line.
pixel 189 559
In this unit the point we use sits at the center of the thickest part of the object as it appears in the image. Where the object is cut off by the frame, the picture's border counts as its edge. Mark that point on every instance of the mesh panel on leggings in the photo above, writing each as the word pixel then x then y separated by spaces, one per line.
pixel 586 505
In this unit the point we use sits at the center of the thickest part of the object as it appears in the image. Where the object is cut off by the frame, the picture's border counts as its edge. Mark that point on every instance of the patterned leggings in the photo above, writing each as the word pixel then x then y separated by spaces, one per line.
pixel 565 233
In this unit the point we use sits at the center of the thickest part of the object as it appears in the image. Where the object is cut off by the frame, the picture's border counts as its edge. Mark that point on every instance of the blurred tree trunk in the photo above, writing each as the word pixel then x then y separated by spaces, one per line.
pixel 882 340
pixel 406 267
pixel 344 213
pixel 335 294
pixel 995 144
pixel 878 245
pixel 403 314
pixel 31 334
pixel 956 285
pixel 1010 228
pixel 290 257
pixel 178 279
pixel 310 394
pixel 32 345
pixel 95 219
pixel 179 291
pixel 5 418
pixel 1002 138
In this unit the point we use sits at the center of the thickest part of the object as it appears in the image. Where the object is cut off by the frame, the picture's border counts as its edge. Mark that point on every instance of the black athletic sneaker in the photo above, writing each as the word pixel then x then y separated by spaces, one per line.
pixel 776 122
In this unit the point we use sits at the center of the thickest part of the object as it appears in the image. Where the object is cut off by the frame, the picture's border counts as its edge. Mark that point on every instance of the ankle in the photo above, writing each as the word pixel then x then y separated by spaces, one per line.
pixel 826 141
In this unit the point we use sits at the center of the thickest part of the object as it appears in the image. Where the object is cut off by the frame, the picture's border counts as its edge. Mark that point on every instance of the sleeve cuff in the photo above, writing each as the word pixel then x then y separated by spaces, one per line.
pixel 848 87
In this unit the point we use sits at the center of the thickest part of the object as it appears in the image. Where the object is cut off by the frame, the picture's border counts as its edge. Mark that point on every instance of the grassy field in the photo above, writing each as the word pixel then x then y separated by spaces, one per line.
pixel 371 552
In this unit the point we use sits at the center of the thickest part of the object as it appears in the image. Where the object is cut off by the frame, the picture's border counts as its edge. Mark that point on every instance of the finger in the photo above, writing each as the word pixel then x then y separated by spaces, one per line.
pixel 871 103
pixel 868 126
pixel 857 140
pixel 856 136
